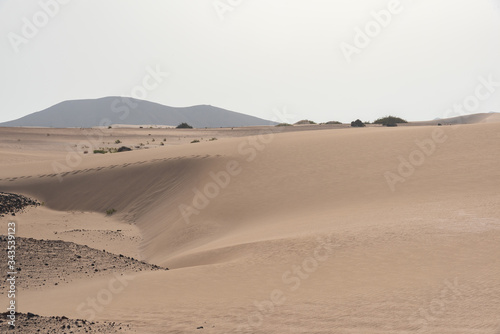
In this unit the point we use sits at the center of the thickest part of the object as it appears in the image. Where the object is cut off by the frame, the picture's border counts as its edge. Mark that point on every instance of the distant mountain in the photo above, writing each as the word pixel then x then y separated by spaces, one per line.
pixel 122 110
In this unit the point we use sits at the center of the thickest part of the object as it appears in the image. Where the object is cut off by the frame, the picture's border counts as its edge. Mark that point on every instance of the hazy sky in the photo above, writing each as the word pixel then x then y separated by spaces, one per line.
pixel 312 58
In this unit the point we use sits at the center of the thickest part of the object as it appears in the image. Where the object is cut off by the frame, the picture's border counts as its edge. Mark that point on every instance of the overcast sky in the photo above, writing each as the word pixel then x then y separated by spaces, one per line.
pixel 317 59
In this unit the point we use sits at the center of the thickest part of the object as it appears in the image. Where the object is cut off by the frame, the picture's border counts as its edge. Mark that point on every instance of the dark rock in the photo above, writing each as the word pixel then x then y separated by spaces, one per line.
pixel 124 149
pixel 31 315
pixel 358 123
pixel 13 203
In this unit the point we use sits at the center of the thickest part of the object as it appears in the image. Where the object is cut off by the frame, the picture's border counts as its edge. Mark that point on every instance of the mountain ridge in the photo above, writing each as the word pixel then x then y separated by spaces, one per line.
pixel 129 111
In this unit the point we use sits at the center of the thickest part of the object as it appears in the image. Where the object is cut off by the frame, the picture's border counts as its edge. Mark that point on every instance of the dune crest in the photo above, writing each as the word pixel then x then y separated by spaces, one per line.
pixel 347 226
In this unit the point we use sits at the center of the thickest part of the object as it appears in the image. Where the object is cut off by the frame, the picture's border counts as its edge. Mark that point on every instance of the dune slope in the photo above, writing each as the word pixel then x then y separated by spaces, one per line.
pixel 376 230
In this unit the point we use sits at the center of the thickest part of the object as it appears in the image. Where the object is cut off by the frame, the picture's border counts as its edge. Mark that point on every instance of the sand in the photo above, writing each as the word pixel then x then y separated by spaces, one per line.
pixel 310 229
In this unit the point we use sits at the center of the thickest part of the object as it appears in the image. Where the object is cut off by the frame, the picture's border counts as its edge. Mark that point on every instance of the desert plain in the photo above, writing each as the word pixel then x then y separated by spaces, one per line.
pixel 303 229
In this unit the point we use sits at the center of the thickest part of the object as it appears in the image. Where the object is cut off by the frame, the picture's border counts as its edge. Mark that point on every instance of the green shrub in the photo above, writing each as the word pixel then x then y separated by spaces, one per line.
pixel 284 124
pixel 390 121
pixel 195 141
pixel 333 122
pixel 109 212
pixel 357 124
pixel 184 126
pixel 118 141
pixel 305 121
pixel 106 150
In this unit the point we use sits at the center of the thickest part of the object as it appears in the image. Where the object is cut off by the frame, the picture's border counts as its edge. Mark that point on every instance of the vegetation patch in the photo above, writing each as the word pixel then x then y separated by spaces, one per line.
pixel 390 121
pixel 305 121
pixel 357 124
pixel 184 126
pixel 102 150
pixel 110 212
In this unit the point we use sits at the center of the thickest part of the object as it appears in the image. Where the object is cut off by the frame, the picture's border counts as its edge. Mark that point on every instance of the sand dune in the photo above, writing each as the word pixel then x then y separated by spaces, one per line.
pixel 463 119
pixel 373 230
